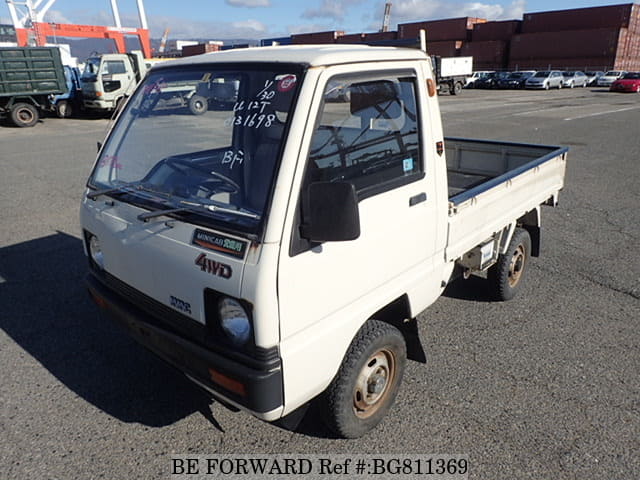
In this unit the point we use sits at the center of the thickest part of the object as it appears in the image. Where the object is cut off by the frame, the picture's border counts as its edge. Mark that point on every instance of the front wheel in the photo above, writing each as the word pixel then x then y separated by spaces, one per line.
pixel 64 109
pixel 367 382
pixel 457 89
pixel 505 277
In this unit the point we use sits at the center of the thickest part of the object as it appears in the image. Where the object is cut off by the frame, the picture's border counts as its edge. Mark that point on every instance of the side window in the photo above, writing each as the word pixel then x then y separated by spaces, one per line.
pixel 367 134
pixel 111 67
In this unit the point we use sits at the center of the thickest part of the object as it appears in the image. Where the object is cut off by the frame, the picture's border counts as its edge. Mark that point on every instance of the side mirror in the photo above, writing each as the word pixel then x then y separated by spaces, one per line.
pixel 333 214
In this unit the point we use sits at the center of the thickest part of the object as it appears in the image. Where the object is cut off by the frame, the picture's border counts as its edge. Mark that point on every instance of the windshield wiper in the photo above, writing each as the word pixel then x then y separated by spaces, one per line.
pixel 189 207
pixel 109 191
pixel 217 208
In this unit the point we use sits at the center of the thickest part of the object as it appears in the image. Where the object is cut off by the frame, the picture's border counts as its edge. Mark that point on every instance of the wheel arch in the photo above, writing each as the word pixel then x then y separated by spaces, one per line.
pixel 530 221
pixel 398 314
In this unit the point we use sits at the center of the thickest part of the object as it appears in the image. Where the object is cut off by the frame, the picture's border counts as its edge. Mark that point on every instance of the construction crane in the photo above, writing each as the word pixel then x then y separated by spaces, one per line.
pixel 31 29
pixel 386 18
pixel 163 40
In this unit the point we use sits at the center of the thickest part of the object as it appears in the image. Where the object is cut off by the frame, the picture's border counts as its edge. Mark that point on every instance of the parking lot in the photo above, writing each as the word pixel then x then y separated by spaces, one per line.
pixel 545 386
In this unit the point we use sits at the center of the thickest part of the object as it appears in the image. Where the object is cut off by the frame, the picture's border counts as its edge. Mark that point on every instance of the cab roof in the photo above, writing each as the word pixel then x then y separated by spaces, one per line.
pixel 312 55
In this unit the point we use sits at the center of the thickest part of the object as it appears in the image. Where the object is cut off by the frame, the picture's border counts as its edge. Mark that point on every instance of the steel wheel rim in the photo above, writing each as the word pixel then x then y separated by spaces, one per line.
pixel 374 383
pixel 517 265
pixel 25 115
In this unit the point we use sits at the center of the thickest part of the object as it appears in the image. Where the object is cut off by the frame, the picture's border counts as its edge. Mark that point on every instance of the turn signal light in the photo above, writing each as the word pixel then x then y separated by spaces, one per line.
pixel 227 382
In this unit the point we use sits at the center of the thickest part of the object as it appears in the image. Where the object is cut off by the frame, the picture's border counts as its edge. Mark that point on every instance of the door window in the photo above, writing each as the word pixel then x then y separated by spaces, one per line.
pixel 367 134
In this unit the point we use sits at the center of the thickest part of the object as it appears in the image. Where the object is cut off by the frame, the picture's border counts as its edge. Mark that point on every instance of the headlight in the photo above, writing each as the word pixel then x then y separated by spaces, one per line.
pixel 234 321
pixel 96 251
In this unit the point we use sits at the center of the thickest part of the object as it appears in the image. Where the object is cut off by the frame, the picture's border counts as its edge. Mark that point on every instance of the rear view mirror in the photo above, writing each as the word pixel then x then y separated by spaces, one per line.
pixel 333 214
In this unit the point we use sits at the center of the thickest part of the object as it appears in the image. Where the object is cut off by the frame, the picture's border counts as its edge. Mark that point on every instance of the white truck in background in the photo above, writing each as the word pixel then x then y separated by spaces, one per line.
pixel 451 73
pixel 280 248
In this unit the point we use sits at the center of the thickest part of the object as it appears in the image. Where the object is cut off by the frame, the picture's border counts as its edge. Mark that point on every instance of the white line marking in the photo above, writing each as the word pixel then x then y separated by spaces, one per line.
pixel 600 113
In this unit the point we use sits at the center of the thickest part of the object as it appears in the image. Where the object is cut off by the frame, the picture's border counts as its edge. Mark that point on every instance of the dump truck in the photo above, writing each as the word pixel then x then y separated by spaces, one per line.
pixel 279 251
pixel 30 77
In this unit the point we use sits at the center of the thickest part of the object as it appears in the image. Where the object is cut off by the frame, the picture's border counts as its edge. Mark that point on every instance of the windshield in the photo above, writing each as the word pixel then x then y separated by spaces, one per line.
pixel 632 76
pixel 205 140
pixel 91 67
pixel 542 74
pixel 612 73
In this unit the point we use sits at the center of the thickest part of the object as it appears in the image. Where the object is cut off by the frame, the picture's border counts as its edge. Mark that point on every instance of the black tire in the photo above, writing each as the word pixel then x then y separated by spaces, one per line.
pixel 64 109
pixel 505 277
pixel 457 88
pixel 375 360
pixel 198 105
pixel 24 115
pixel 546 86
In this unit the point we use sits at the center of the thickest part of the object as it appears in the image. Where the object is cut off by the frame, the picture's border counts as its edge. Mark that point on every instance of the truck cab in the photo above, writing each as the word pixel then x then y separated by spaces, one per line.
pixel 278 248
pixel 108 79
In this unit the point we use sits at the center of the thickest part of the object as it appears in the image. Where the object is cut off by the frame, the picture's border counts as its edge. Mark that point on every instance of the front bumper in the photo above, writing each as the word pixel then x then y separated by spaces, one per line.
pixel 259 391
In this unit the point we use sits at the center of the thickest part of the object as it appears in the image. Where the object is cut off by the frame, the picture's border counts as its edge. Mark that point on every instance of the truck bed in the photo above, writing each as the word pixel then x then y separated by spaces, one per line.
pixel 491 183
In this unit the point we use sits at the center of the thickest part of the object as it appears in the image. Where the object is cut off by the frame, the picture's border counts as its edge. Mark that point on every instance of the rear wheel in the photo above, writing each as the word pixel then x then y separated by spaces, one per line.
pixel 457 89
pixel 198 104
pixel 505 277
pixel 367 382
pixel 24 115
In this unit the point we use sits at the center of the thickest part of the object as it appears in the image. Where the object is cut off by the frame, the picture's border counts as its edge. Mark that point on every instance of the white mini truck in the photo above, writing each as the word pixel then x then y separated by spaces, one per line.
pixel 279 247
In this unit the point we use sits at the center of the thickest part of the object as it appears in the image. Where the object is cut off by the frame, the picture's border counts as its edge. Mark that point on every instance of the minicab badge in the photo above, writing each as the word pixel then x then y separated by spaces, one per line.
pixel 220 243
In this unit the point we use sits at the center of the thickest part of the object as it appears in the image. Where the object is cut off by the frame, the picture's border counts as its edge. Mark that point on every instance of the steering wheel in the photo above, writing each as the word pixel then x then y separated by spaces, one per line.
pixel 220 182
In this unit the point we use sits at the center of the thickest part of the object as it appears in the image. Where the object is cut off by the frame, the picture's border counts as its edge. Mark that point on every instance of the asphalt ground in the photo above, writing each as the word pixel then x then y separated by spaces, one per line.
pixel 546 386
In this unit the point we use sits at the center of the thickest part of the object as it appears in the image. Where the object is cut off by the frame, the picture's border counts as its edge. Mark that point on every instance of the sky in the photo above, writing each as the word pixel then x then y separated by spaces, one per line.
pixel 257 19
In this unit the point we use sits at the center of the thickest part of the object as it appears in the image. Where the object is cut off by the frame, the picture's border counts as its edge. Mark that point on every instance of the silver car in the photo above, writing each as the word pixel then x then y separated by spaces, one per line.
pixel 574 79
pixel 611 76
pixel 545 80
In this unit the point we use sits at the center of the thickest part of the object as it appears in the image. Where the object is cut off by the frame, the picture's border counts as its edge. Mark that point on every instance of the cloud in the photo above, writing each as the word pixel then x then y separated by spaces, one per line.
pixel 333 9
pixel 307 28
pixel 56 16
pixel 248 3
pixel 416 10
pixel 250 25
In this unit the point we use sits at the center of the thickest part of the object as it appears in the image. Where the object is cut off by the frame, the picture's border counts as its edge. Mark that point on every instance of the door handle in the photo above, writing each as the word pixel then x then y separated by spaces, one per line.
pixel 416 199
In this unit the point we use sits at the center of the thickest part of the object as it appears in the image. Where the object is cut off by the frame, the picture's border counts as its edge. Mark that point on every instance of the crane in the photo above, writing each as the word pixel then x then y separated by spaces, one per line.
pixel 387 17
pixel 31 29
pixel 163 40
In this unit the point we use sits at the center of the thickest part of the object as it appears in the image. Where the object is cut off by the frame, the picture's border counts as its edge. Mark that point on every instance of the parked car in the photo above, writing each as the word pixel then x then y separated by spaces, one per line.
pixel 593 76
pixel 611 76
pixel 490 80
pixel 545 79
pixel 574 79
pixel 515 79
pixel 476 76
pixel 629 83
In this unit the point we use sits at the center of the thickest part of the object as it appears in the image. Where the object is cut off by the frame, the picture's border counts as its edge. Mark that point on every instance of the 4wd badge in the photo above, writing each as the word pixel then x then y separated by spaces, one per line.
pixel 214 268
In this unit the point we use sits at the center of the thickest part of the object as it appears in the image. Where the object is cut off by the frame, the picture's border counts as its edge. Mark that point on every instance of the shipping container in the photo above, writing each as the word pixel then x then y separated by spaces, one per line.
pixel 351 38
pixel 191 50
pixel 613 16
pixel 495 30
pixel 440 30
pixel 316 37
pixel 444 49
pixel 267 42
pixel 377 36
pixel 566 44
pixel 492 52
pixel 586 63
